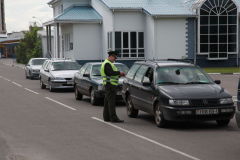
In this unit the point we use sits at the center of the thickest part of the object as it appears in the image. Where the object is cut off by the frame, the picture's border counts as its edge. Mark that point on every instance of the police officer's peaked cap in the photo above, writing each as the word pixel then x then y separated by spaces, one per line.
pixel 114 53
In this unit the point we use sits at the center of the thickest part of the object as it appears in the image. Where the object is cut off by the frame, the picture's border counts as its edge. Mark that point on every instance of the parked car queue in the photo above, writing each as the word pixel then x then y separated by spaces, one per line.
pixel 170 90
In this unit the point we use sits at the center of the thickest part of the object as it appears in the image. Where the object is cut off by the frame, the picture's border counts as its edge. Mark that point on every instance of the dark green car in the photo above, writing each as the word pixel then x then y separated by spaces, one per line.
pixel 88 81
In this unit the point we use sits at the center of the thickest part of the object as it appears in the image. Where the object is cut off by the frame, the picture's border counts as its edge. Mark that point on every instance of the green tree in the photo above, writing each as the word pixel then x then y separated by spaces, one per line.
pixel 30 46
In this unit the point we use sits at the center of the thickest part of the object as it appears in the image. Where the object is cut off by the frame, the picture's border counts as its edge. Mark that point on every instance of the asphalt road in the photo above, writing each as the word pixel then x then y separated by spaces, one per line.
pixel 38 125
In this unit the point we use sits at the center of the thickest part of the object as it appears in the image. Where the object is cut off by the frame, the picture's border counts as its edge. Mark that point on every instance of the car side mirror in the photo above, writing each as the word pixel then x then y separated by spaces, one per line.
pixel 86 75
pixel 147 83
pixel 46 70
pixel 217 81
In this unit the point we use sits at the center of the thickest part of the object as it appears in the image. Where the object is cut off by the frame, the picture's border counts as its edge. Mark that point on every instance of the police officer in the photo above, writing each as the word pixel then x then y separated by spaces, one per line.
pixel 110 80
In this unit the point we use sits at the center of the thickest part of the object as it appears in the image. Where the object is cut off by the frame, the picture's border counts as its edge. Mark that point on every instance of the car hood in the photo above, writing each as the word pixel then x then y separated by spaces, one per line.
pixel 64 74
pixel 99 80
pixel 36 67
pixel 194 91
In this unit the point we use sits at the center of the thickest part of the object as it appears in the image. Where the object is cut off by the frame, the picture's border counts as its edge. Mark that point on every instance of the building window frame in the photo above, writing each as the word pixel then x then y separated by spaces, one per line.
pixel 215 47
pixel 129 51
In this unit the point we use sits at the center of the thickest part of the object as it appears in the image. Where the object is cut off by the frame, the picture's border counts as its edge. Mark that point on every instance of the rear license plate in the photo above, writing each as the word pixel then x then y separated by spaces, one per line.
pixel 119 92
pixel 69 82
pixel 206 111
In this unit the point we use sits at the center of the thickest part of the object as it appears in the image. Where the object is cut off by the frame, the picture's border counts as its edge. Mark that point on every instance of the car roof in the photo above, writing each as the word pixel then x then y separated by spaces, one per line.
pixel 62 60
pixel 100 63
pixel 165 63
pixel 38 58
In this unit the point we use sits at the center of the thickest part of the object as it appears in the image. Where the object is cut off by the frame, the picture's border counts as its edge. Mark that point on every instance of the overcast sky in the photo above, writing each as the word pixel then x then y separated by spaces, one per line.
pixel 18 13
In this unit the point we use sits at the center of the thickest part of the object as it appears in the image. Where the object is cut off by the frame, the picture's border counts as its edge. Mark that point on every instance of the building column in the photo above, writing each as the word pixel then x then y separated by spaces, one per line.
pixel 58 41
pixel 47 42
pixel 50 39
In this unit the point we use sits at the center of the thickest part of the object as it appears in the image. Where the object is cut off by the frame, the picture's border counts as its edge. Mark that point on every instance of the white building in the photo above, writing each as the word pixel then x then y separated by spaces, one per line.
pixel 43 36
pixel 203 31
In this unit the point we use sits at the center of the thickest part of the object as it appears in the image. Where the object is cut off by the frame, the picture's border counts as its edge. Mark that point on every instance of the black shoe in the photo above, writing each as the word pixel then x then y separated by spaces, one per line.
pixel 106 120
pixel 118 121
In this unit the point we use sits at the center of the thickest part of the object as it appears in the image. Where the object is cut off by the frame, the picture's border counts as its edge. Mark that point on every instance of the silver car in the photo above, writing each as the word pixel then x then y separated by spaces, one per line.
pixel 32 69
pixel 58 73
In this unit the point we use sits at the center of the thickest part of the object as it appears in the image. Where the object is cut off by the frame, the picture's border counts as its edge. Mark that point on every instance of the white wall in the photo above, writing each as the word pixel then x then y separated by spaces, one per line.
pixel 107 25
pixel 87 41
pixel 68 3
pixel 149 38
pixel 65 30
pixel 44 45
pixel 171 38
pixel 129 21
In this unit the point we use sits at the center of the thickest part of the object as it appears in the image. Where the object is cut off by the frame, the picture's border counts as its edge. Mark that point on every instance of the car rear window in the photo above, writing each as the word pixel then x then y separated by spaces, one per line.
pixel 96 70
pixel 56 66
pixel 132 71
pixel 38 61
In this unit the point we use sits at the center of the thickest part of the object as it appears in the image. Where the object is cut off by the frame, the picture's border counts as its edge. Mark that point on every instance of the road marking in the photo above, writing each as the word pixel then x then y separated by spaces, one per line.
pixel 61 103
pixel 147 139
pixel 6 79
pixel 17 84
pixel 1 77
pixel 31 91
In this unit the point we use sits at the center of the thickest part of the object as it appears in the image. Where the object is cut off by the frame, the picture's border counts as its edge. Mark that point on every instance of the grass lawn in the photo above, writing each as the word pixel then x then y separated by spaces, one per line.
pixel 222 70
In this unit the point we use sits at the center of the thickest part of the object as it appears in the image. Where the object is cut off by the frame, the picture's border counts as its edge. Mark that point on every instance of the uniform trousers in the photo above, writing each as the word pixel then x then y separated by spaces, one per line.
pixel 109 111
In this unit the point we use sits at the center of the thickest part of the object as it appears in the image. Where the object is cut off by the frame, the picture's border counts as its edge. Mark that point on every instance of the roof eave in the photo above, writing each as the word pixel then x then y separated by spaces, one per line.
pixel 157 16
pixel 70 21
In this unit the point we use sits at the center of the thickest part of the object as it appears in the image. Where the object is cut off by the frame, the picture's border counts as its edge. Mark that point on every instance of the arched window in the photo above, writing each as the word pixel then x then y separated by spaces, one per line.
pixel 218 23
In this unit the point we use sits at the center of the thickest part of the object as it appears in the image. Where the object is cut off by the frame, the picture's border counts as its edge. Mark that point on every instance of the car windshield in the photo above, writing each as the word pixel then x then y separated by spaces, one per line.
pixel 96 70
pixel 57 66
pixel 182 75
pixel 38 61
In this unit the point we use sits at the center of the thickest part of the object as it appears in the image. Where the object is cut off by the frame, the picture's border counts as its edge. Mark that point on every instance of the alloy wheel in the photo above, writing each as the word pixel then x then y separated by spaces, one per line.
pixel 158 115
pixel 129 105
pixel 76 93
pixel 92 97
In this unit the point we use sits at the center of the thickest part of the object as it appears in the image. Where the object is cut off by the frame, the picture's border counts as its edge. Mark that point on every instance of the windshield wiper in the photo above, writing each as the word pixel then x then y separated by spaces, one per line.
pixel 169 83
pixel 197 82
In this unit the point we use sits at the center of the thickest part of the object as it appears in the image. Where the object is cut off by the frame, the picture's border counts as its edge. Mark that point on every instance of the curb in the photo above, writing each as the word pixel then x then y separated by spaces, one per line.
pixel 224 73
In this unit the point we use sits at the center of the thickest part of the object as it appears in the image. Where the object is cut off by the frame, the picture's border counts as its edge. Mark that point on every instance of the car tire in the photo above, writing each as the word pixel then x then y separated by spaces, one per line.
pixel 223 122
pixel 30 76
pixel 159 119
pixel 78 95
pixel 131 111
pixel 50 87
pixel 94 100
pixel 43 86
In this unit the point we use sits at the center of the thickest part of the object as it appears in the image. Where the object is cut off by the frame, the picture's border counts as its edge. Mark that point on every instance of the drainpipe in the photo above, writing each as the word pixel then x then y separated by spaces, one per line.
pixel 58 41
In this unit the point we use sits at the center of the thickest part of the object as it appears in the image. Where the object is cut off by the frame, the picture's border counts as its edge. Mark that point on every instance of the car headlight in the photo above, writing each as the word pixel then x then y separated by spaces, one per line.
pixel 101 87
pixel 226 101
pixel 179 102
pixel 59 78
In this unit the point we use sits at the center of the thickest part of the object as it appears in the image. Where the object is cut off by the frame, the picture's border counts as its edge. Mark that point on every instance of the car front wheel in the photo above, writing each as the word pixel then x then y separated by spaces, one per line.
pixel 223 122
pixel 94 100
pixel 50 86
pixel 30 75
pixel 78 95
pixel 43 86
pixel 159 119
pixel 131 111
